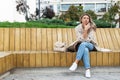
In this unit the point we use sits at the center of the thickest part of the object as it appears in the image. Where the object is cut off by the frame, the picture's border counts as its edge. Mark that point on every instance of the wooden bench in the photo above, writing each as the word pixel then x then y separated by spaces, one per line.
pixel 6 62
pixel 33 47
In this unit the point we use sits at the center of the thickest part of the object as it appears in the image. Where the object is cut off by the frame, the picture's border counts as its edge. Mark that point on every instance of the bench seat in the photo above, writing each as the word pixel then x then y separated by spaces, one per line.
pixel 33 47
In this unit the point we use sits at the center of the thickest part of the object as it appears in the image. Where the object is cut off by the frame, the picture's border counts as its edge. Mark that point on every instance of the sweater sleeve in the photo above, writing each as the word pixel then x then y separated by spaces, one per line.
pixel 79 32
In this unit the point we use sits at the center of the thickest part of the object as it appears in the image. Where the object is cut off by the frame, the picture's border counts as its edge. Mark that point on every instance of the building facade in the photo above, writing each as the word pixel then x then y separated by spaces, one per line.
pixel 59 6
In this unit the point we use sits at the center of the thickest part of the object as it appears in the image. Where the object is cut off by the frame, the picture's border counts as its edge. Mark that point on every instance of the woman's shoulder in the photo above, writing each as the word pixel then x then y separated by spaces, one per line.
pixel 78 26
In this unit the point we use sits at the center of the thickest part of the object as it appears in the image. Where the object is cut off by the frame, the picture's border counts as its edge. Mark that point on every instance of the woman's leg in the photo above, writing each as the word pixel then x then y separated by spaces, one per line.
pixel 80 54
pixel 81 49
pixel 86 59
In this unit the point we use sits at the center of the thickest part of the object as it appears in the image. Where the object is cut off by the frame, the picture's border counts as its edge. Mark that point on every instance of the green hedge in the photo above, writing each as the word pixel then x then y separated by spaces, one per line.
pixel 104 24
pixel 55 23
pixel 31 25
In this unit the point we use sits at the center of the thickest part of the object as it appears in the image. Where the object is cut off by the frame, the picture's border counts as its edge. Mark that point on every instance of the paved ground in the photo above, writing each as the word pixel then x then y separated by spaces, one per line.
pixel 62 73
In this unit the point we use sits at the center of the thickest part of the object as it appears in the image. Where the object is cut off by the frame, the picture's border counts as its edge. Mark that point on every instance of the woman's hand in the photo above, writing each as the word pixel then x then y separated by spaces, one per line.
pixel 87 27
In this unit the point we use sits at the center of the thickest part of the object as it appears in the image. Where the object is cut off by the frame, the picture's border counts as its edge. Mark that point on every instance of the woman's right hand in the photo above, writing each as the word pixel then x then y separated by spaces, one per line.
pixel 87 27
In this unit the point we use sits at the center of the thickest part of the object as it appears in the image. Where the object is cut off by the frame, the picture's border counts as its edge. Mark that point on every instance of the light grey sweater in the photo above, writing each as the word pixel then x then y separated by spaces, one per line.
pixel 90 38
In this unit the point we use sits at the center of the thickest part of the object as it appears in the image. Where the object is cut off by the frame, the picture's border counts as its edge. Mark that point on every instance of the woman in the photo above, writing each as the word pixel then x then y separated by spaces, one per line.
pixel 85 34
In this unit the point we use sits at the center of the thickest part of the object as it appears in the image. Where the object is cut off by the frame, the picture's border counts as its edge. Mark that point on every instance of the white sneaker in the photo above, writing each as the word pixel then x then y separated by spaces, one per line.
pixel 73 67
pixel 87 73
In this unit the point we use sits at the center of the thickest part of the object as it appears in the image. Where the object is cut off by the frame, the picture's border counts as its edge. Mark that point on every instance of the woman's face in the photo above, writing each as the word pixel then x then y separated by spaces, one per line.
pixel 85 19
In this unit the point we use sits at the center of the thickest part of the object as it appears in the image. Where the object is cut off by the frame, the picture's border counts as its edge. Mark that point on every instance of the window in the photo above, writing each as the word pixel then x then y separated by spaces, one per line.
pixel 58 7
pixel 65 7
pixel 89 6
pixel 101 7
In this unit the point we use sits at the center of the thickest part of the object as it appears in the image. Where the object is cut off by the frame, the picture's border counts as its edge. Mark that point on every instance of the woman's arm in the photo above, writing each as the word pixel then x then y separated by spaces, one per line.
pixel 79 31
pixel 86 30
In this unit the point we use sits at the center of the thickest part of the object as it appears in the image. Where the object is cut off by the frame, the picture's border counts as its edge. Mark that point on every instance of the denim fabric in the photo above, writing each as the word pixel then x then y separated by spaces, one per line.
pixel 83 52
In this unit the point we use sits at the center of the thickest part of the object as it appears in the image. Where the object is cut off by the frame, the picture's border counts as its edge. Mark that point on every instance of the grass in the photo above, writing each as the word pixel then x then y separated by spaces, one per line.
pixel 31 25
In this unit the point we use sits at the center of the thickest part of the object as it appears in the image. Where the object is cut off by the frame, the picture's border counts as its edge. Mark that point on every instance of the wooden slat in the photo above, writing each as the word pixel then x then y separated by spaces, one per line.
pixel 49 40
pixel 1 39
pixel 58 54
pixel 73 39
pixel 105 43
pixel 33 39
pixel 113 37
pixel 54 38
pixel 4 65
pixel 117 45
pixel 8 62
pixel 17 39
pixel 93 55
pixel 111 59
pixel 117 54
pixel 117 59
pixel 19 60
pixel 64 55
pixel 111 56
pixel 39 47
pixel 32 59
pixel 14 60
pixel 69 55
pixel 50 47
pixel 44 48
pixel 19 57
pixel 1 65
pixel 73 34
pixel 12 39
pixel 28 39
pixel 44 59
pixel 99 38
pixel 51 60
pixel 39 39
pixel 44 39
pixel 38 59
pixel 6 39
pixel 99 54
pixel 11 61
pixel 93 59
pixel 117 35
pixel 22 41
pixel 104 38
pixel 99 59
pixel 109 39
pixel 111 46
pixel 59 34
pixel 26 58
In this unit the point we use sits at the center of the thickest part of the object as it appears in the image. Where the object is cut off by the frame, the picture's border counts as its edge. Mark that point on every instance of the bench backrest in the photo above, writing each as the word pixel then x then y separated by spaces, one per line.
pixel 37 39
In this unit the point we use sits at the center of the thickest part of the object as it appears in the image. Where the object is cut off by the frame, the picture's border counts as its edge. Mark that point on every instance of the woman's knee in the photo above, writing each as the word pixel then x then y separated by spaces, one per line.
pixel 86 50
pixel 84 43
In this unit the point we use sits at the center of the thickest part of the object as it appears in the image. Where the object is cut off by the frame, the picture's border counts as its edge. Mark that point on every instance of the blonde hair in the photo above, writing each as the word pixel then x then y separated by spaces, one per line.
pixel 93 26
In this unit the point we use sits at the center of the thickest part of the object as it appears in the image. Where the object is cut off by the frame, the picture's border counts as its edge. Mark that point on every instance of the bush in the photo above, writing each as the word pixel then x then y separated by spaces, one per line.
pixel 92 14
pixel 57 21
pixel 72 23
pixel 52 21
pixel 103 24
